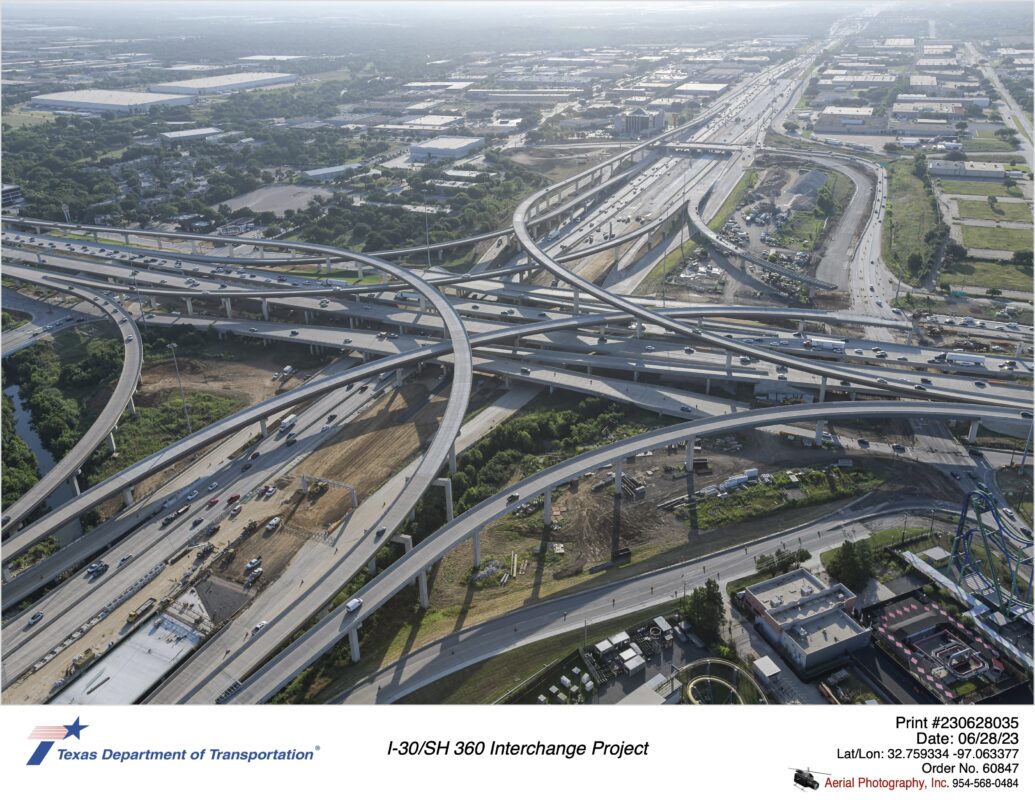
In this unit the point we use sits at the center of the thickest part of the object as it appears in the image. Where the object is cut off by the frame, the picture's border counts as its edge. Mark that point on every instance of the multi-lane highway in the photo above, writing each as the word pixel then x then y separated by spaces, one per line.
pixel 574 334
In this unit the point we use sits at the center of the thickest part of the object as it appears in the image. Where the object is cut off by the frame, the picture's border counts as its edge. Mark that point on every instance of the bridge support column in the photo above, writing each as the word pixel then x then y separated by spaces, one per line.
pixel 327 264
pixel 132 406
pixel 398 378
pixel 306 316
pixel 972 433
pixel 639 329
pixel 226 305
pixel 575 300
pixel 125 237
pixel 354 644
pixel 452 459
pixel 823 389
pixel 476 547
pixel 193 247
pixel 447 484
pixel 691 443
pixel 707 385
pixel 190 306
pixel 372 566
pixel 820 425
pixel 360 271
pixel 111 441
pixel 801 325
pixel 729 362
pixel 636 375
pixel 262 427
pixel 548 508
pixel 75 486
pixel 127 495
pixel 265 309
pixel 618 479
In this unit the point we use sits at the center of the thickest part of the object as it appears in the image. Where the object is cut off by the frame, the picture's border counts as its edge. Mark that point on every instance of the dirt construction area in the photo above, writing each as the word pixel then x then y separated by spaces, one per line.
pixel 590 525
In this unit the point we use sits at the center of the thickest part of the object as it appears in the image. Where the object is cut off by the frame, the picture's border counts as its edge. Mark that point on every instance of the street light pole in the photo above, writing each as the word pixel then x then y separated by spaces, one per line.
pixel 183 397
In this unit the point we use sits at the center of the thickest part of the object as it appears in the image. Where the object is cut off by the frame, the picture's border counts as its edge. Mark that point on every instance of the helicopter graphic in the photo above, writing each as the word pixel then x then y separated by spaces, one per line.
pixel 805 778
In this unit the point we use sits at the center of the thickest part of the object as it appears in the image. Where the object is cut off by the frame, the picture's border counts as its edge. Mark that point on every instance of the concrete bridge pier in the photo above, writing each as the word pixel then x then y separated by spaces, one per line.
pixel 354 644
pixel 476 547
pixel 452 459
pixel 729 362
pixel 127 495
pixel 639 329
pixel 125 237
pixel 75 486
pixel 823 389
pixel 111 441
pixel 132 406
pixel 422 589
pixel 548 507
pixel 707 385
pixel 226 305
pixel 618 479
pixel 820 425
pixel 265 310
pixel 262 427
pixel 306 316
pixel 372 566
pixel 447 484
pixel 398 378
pixel 973 432
pixel 190 306
pixel 575 300
pixel 691 443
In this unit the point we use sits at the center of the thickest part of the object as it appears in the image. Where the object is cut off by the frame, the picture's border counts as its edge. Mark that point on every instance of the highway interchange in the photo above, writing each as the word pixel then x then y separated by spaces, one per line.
pixel 493 322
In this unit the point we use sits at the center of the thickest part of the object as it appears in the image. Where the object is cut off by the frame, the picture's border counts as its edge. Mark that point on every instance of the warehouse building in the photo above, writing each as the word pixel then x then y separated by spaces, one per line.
pixel 694 89
pixel 96 101
pixel 442 148
pixel 189 135
pixel 638 122
pixel 967 169
pixel 807 620
pixel 329 173
pixel 221 84
pixel 928 109
pixel 850 119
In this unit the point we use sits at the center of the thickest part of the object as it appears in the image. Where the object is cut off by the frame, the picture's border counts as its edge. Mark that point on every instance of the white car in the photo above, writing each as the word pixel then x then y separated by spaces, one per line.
pixel 192 495
pixel 353 605
pixel 212 486
pixel 272 524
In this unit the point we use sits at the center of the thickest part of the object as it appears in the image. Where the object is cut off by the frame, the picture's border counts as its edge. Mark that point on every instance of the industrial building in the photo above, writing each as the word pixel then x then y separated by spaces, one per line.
pixel 915 110
pixel 807 620
pixel 849 119
pixel 188 135
pixel 329 173
pixel 638 122
pixel 97 101
pixel 442 148
pixel 694 89
pixel 220 84
pixel 967 169
pixel 427 123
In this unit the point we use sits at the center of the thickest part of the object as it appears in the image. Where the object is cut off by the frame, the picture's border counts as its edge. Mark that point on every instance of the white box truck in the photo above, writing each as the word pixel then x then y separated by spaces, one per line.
pixel 288 422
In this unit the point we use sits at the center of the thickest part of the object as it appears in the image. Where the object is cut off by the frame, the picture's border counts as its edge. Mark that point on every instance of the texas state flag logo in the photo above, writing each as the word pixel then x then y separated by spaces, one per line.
pixel 47 735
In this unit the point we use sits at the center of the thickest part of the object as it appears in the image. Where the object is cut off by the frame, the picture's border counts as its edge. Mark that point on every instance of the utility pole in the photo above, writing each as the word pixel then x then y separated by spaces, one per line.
pixel 183 397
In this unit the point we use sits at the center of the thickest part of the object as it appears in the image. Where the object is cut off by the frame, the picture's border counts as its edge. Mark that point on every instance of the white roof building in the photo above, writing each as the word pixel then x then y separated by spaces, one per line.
pixel 100 100
pixel 445 147
pixel 219 84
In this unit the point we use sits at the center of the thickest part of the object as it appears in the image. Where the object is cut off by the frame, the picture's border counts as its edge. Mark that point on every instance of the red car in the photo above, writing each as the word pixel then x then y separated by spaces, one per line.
pixel 233 498
pixel 211 502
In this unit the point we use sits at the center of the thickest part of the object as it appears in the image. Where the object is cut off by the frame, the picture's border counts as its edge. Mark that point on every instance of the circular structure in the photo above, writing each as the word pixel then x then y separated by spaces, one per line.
pixel 716 682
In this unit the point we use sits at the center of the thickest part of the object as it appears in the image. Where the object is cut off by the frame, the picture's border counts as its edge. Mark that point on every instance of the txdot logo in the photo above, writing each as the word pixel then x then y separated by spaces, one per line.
pixel 48 734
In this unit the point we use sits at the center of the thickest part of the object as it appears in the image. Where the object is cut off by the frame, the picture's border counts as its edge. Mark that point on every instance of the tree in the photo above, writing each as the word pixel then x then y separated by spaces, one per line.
pixel 790 127
pixel 915 264
pixel 891 147
pixel 852 564
pixel 993 292
pixel 955 155
pixel 705 611
pixel 991 200
pixel 1022 257
pixel 920 165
